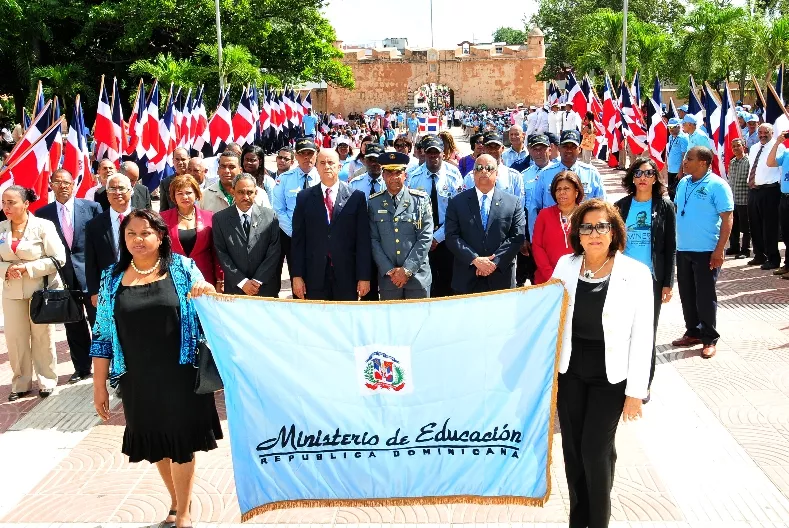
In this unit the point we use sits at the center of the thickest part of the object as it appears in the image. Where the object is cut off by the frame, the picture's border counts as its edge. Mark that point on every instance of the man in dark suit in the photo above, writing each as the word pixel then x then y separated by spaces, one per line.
pixel 101 233
pixel 180 165
pixel 246 240
pixel 331 238
pixel 485 229
pixel 141 196
pixel 70 215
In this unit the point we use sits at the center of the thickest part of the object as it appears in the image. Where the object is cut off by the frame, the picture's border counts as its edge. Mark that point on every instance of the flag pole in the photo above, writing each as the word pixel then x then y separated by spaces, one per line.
pixel 624 39
pixel 219 45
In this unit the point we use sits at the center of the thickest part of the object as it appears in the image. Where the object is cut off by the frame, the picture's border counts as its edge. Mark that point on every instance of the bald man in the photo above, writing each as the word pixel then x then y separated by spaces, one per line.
pixel 180 164
pixel 517 152
pixel 331 244
pixel 141 196
pixel 197 169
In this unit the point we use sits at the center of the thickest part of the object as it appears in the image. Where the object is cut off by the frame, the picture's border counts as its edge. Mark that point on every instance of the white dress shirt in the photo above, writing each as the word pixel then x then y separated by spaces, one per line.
pixel 764 175
pixel 555 123
pixel 489 194
pixel 571 120
pixel 116 225
pixel 332 196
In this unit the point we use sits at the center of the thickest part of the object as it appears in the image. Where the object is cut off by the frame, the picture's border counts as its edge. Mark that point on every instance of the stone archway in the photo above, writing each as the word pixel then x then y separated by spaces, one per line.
pixel 433 96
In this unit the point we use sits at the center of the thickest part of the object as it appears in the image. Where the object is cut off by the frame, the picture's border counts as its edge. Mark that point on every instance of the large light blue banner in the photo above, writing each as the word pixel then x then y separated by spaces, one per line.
pixel 389 403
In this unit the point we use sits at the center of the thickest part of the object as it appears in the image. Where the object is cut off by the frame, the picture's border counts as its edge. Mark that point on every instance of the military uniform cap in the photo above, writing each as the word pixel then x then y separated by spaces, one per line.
pixel 432 141
pixel 539 139
pixel 373 150
pixel 394 160
pixel 570 136
pixel 303 144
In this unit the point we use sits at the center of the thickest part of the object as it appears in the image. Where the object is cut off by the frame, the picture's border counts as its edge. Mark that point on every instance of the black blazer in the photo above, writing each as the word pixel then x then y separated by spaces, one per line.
pixel 256 258
pixel 141 197
pixel 84 212
pixel 346 238
pixel 664 237
pixel 164 194
pixel 99 250
pixel 467 240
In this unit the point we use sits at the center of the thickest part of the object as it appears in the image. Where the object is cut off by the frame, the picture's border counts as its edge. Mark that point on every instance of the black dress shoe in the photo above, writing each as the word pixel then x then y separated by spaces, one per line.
pixel 44 393
pixel 755 262
pixel 770 266
pixel 14 396
pixel 744 255
pixel 732 251
pixel 76 377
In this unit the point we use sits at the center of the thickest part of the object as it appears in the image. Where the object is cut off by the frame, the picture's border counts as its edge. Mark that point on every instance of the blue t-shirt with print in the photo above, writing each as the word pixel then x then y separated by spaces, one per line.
pixel 639 232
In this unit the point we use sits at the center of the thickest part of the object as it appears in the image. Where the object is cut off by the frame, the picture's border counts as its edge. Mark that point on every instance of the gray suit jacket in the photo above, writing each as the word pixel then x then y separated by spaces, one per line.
pixel 256 258
pixel 401 236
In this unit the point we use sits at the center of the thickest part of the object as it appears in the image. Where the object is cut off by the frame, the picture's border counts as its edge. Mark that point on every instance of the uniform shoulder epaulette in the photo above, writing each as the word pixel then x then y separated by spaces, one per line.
pixel 379 193
pixel 417 192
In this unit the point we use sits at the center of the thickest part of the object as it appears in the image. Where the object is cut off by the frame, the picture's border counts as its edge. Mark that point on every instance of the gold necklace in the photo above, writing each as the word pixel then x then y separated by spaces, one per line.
pixel 187 218
pixel 148 271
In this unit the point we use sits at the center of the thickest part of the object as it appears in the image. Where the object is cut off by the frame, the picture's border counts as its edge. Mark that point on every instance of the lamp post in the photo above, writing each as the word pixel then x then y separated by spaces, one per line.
pixel 219 46
pixel 431 24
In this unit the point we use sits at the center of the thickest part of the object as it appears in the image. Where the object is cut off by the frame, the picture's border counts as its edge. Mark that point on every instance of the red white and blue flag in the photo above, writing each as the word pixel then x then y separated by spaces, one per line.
pixel 220 126
pixel 727 130
pixel 118 125
pixel 428 124
pixel 576 96
pixel 32 133
pixel 198 130
pixel 104 130
pixel 77 156
pixel 244 120
pixel 612 121
pixel 138 126
pixel 632 124
pixel 658 131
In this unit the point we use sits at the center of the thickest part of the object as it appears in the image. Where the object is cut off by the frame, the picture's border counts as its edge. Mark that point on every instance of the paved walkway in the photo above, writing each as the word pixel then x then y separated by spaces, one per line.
pixel 712 450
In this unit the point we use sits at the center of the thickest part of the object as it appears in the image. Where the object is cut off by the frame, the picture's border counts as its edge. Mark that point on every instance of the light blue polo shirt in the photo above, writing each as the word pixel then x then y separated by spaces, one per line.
pixel 782 158
pixel 699 206
pixel 677 147
pixel 310 122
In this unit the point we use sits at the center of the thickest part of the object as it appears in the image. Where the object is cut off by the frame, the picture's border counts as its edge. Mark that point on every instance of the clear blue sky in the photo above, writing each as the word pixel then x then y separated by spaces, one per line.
pixel 361 22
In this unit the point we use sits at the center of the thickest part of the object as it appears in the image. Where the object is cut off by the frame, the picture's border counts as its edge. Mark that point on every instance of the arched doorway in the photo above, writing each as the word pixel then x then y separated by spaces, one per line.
pixel 434 96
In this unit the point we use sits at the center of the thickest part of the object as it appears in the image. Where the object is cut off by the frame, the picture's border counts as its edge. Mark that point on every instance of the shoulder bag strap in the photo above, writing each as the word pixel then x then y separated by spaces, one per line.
pixel 59 272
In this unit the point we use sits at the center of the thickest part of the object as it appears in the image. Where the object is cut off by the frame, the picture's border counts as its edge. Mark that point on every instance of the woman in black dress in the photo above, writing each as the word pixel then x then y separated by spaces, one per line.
pixel 144 339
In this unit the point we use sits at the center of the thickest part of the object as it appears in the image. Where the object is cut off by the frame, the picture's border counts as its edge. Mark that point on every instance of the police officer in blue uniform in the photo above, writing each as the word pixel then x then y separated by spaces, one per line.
pixel 539 152
pixel 301 176
pixel 569 151
pixel 401 227
pixel 675 152
pixel 441 181
pixel 370 182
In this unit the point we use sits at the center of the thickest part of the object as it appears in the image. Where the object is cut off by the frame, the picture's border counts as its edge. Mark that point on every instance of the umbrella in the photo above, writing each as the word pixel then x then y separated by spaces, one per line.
pixel 374 111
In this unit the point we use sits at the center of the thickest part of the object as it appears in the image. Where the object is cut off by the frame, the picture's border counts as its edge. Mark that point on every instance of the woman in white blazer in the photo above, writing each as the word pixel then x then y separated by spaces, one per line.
pixel 605 358
pixel 26 243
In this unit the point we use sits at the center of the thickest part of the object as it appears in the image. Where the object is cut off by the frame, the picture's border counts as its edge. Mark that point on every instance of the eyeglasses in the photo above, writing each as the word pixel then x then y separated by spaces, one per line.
pixel 480 168
pixel 644 173
pixel 117 190
pixel 602 228
pixel 61 184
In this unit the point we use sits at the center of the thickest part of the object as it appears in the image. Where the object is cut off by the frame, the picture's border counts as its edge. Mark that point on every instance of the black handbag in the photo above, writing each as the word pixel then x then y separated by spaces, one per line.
pixel 208 380
pixel 55 306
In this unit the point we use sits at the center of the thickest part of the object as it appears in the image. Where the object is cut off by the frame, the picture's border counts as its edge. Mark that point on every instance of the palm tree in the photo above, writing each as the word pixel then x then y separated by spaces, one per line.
pixel 64 81
pixel 169 70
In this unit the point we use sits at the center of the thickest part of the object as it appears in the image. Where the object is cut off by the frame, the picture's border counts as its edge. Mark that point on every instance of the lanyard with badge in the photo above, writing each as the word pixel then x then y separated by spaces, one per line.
pixel 689 194
pixel 564 222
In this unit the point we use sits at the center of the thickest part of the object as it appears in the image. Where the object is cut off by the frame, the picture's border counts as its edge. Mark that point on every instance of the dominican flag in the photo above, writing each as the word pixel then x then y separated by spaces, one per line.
pixel 672 109
pixel 307 102
pixel 636 135
pixel 254 102
pixel 220 126
pixel 201 139
pixel 118 124
pixel 553 94
pixel 151 135
pixel 160 166
pixel 637 88
pixel 612 120
pixel 26 121
pixel 55 109
pixel 576 95
pixel 597 110
pixel 428 124
pixel 658 131
pixel 39 107
pixel 727 131
pixel 244 120
pixel 138 124
pixel 177 115
pixel 77 156
pixel 185 137
pixel 265 114
pixel 288 128
pixel 694 104
pixel 299 110
pixel 33 131
pixel 104 129
pixel 32 166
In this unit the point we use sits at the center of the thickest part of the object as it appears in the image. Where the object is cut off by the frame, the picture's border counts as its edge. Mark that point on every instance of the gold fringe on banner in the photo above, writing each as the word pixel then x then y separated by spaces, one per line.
pixel 416 501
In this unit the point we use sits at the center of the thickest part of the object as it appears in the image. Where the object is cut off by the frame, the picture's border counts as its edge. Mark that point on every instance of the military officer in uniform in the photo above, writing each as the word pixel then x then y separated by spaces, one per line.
pixel 401 227
pixel 441 181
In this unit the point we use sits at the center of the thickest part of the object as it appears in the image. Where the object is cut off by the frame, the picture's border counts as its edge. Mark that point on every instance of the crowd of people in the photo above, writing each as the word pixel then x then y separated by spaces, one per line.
pixel 360 219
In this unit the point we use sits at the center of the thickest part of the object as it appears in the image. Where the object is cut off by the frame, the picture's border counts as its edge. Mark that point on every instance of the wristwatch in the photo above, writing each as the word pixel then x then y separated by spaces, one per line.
pixel 408 273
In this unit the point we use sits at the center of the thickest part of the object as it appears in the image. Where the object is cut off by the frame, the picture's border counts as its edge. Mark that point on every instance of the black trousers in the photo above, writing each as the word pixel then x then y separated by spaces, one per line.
pixel 697 293
pixel 284 242
pixel 525 268
pixel 763 203
pixel 372 295
pixel 589 411
pixel 330 290
pixel 740 226
pixel 657 291
pixel 672 184
pixel 78 335
pixel 441 261
pixel 783 213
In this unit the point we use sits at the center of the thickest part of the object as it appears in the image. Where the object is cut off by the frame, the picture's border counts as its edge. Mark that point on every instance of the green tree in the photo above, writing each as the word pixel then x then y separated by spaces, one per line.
pixel 510 35
pixel 64 81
